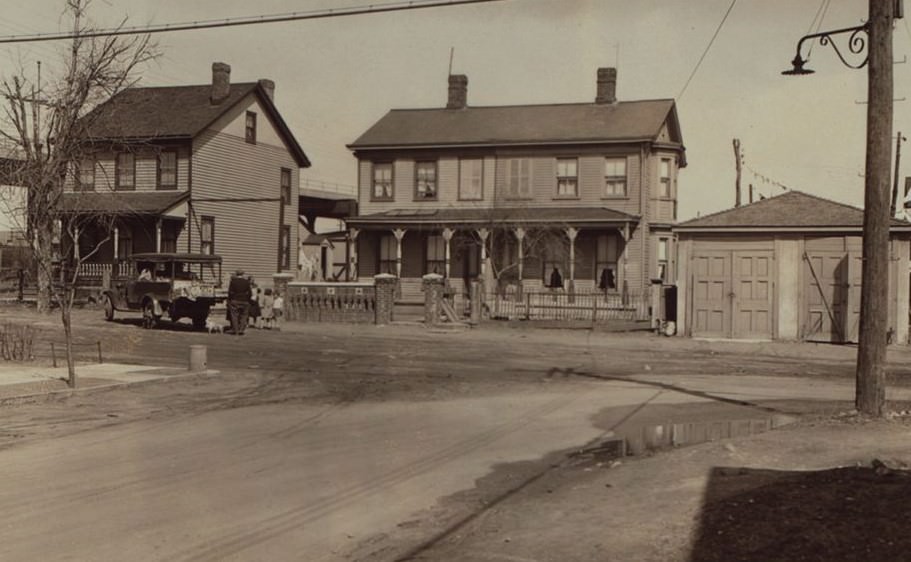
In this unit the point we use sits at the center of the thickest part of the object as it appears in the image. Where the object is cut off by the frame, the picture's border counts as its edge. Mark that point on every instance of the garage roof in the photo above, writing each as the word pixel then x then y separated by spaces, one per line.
pixel 793 210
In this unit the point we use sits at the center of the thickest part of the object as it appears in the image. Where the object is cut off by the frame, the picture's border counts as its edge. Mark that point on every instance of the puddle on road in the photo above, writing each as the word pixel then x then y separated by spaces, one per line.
pixel 632 437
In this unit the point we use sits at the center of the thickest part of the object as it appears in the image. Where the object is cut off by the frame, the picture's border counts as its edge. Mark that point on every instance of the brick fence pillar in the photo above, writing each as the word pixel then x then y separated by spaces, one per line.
pixel 385 284
pixel 280 283
pixel 433 286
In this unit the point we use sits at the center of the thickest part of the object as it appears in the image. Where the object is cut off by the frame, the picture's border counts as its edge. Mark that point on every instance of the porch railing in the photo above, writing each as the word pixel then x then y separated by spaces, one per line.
pixel 560 305
pixel 98 270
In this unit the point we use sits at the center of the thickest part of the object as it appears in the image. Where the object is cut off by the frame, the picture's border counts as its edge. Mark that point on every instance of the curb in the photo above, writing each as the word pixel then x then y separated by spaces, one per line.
pixel 42 397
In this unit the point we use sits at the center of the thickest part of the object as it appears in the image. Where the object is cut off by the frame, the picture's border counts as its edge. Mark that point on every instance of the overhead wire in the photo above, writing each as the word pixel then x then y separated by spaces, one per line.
pixel 707 48
pixel 398 6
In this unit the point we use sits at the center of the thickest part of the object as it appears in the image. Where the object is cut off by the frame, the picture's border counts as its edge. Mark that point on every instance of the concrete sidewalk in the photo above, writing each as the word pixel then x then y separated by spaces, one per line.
pixel 26 381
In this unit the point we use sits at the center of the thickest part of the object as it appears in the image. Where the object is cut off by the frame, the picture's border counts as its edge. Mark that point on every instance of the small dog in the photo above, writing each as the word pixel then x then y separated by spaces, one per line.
pixel 214 327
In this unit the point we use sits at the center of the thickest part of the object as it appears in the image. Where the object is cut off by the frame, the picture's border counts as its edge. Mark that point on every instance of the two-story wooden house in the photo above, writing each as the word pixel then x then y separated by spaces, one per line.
pixel 514 192
pixel 211 168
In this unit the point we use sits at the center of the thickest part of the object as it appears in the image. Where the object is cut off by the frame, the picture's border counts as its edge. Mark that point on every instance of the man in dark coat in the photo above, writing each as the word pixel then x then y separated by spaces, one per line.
pixel 239 295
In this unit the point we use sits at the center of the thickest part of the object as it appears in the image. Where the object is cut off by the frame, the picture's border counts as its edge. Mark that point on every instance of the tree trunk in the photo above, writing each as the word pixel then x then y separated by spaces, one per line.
pixel 870 395
pixel 43 260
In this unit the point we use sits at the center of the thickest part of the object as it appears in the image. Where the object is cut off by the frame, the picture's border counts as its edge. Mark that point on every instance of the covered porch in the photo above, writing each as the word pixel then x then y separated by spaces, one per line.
pixel 103 229
pixel 510 251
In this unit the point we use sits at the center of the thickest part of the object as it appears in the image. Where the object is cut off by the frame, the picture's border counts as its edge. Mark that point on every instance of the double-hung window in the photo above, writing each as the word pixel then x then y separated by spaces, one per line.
pixel 471 179
pixel 286 186
pixel 435 261
pixel 664 180
pixel 250 128
pixel 614 177
pixel 425 180
pixel 167 170
pixel 382 181
pixel 207 235
pixel 387 254
pixel 567 177
pixel 518 178
pixel 285 247
pixel 85 175
pixel 606 257
pixel 662 258
pixel 125 172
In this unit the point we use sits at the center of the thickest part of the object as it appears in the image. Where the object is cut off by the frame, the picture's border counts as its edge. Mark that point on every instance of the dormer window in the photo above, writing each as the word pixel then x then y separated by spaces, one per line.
pixel 250 128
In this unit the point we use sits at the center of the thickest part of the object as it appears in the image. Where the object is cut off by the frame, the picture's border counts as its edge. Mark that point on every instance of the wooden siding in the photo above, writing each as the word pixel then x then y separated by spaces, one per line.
pixel 146 170
pixel 226 166
pixel 590 171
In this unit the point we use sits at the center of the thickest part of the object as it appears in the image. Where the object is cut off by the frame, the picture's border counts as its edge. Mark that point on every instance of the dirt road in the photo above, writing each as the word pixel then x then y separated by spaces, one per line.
pixel 319 442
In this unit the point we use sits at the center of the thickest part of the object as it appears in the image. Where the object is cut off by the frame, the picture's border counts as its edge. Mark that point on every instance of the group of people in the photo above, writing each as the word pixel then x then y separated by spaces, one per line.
pixel 248 305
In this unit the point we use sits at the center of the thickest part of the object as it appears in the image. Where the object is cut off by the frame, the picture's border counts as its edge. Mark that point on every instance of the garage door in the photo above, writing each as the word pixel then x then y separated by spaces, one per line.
pixel 832 312
pixel 732 294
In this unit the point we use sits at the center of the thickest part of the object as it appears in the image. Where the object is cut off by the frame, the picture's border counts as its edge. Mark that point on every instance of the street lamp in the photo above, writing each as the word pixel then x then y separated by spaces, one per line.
pixel 874 37
pixel 857 43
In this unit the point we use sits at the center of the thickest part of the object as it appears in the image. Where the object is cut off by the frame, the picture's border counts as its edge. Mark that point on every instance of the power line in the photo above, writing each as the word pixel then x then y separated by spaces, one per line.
pixel 399 6
pixel 707 47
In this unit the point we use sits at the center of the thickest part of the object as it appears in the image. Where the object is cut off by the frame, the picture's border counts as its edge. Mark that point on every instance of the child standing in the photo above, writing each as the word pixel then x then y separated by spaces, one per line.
pixel 265 306
pixel 278 305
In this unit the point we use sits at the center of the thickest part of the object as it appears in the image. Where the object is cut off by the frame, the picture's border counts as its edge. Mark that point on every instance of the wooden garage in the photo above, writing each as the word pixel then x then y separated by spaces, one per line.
pixel 786 267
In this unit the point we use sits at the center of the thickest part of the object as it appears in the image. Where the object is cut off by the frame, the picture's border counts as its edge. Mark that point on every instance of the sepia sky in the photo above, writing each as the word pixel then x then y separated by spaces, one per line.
pixel 336 77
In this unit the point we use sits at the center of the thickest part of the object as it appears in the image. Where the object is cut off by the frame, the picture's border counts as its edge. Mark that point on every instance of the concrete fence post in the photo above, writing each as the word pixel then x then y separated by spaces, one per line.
pixel 385 284
pixel 432 285
pixel 477 297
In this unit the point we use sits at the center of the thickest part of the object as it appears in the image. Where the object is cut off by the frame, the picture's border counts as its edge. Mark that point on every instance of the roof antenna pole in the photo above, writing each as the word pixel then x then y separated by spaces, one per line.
pixel 451 52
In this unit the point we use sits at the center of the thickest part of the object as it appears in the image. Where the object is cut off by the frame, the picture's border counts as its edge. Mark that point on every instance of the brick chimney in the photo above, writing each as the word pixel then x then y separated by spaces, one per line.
pixel 458 91
pixel 269 87
pixel 221 82
pixel 607 86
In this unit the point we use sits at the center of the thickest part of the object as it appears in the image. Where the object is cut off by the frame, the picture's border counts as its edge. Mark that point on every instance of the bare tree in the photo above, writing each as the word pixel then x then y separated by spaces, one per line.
pixel 48 126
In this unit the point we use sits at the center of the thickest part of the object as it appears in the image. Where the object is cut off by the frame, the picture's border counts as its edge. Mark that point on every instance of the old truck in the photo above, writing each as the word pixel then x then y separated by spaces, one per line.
pixel 167 284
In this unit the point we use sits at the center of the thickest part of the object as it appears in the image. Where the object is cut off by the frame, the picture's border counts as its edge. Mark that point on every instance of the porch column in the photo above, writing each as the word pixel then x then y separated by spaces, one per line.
pixel 352 253
pixel 571 233
pixel 621 279
pixel 447 236
pixel 116 243
pixel 483 233
pixel 76 243
pixel 158 235
pixel 520 236
pixel 399 233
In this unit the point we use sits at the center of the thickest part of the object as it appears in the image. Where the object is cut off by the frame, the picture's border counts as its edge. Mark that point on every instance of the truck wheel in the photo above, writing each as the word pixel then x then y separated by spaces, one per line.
pixel 149 320
pixel 199 321
pixel 108 307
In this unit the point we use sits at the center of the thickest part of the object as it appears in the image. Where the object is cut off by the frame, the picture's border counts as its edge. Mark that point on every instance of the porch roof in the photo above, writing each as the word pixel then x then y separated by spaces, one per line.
pixel 122 202
pixel 569 216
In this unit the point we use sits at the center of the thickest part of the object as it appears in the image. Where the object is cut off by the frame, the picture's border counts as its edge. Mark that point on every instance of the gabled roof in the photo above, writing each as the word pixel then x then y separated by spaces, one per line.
pixel 624 121
pixel 176 112
pixel 794 210
pixel 122 202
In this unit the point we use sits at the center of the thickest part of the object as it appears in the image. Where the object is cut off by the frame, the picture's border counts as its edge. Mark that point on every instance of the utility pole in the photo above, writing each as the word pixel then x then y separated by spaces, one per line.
pixel 898 158
pixel 870 387
pixel 737 163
